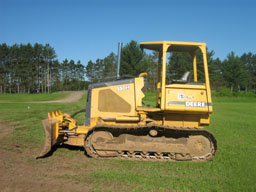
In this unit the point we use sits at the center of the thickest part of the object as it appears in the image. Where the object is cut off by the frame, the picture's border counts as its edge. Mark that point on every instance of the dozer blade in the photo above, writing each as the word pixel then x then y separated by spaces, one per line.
pixel 51 136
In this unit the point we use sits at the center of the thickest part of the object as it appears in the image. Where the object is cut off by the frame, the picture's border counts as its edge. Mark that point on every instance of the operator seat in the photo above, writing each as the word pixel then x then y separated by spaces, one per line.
pixel 184 79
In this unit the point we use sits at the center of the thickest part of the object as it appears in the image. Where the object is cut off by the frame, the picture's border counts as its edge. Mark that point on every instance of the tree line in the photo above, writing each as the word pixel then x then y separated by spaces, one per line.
pixel 234 72
pixel 35 68
pixel 26 68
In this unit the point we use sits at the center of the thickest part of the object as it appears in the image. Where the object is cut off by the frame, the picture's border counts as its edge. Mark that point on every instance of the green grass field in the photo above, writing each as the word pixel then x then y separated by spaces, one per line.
pixel 25 97
pixel 233 169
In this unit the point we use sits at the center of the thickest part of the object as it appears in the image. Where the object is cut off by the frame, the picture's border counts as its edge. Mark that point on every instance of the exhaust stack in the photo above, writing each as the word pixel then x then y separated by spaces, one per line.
pixel 119 60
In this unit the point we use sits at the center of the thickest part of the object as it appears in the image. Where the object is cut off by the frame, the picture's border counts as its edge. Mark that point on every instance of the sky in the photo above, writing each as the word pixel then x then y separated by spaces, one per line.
pixel 90 29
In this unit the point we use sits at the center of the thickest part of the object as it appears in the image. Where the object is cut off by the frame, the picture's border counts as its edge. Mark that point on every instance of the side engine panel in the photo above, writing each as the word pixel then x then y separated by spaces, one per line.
pixel 111 99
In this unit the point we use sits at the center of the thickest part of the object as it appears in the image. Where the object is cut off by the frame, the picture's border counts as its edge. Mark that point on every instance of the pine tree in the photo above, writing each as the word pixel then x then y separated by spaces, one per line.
pixel 249 63
pixel 131 60
pixel 90 71
pixel 110 64
pixel 234 72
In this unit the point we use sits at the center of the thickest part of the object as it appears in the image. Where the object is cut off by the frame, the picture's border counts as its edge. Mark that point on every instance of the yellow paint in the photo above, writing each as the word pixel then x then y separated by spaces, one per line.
pixel 207 81
pixel 179 105
pixel 139 84
pixel 164 49
pixel 195 67
pixel 126 94
pixel 143 74
pixel 185 86
pixel 187 100
pixel 127 118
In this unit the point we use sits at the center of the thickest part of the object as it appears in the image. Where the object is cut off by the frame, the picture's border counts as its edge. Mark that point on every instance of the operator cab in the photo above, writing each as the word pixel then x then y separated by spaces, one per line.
pixel 186 94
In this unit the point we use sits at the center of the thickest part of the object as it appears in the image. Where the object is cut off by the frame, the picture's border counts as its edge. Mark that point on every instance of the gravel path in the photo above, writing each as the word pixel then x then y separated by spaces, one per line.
pixel 72 97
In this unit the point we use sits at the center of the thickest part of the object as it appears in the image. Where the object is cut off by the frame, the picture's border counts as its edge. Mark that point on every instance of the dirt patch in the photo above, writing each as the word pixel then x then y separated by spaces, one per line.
pixel 5 129
pixel 72 97
pixel 20 171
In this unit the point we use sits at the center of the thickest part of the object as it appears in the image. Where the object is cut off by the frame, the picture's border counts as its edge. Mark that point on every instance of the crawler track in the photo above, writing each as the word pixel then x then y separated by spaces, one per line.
pixel 135 143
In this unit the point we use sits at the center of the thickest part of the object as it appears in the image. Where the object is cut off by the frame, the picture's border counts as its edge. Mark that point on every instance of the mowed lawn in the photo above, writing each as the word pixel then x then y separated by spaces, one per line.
pixel 233 169
pixel 24 97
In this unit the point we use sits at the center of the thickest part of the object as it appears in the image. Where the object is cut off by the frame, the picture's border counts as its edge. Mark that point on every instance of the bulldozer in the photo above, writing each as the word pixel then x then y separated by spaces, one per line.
pixel 117 125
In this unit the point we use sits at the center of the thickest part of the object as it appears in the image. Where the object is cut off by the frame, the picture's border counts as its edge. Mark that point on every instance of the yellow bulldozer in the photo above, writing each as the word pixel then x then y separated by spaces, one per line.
pixel 117 125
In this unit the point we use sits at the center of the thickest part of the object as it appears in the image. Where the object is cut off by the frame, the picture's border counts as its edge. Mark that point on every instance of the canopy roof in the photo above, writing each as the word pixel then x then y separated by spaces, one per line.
pixel 176 46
